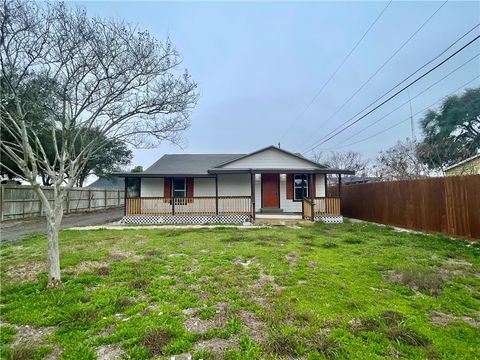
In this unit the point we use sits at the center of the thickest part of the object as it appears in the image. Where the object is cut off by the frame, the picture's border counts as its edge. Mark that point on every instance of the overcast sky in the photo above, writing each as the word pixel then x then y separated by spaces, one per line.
pixel 259 64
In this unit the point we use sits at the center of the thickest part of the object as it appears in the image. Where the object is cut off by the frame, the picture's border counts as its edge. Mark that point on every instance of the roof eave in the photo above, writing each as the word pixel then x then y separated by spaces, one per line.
pixel 282 171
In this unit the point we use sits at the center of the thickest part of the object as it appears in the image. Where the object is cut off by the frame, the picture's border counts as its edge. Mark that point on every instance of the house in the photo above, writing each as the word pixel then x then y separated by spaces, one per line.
pixel 470 166
pixel 229 188
pixel 113 182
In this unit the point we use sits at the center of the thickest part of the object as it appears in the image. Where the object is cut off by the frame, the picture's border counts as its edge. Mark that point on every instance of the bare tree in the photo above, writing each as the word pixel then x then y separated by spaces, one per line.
pixel 350 160
pixel 107 77
pixel 401 161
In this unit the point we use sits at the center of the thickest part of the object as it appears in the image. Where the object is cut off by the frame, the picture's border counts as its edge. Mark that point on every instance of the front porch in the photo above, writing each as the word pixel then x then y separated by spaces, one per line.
pixel 221 209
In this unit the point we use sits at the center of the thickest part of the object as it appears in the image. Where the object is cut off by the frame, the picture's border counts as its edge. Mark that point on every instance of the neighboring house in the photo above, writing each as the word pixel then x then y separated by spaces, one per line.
pixel 113 182
pixel 222 188
pixel 470 166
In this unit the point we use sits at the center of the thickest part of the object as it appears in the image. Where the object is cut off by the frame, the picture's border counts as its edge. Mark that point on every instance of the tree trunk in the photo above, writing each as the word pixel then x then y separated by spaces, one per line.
pixel 54 219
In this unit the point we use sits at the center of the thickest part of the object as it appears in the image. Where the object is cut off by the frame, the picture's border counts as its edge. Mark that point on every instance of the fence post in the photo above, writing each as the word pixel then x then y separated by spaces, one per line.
pixel 23 204
pixel 68 201
pixel 89 199
pixel 105 196
pixel 313 209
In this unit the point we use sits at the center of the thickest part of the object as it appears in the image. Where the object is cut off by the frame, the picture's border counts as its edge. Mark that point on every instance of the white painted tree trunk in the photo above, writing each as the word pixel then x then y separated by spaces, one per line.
pixel 54 220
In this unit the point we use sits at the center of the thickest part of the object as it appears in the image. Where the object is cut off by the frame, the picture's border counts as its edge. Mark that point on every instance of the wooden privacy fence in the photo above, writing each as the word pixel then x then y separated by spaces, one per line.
pixel 18 202
pixel 450 205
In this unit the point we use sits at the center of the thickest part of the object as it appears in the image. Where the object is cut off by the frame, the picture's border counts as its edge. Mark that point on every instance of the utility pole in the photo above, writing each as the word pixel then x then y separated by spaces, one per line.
pixel 411 116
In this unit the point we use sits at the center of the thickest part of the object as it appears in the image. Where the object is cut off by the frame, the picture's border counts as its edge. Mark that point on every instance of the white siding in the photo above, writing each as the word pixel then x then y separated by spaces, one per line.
pixel 151 187
pixel 234 185
pixel 270 159
pixel 288 205
pixel 204 187
pixel 320 185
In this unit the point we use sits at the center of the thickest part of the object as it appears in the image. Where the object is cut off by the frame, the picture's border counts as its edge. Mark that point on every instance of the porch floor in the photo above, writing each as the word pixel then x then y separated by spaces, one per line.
pixel 278 216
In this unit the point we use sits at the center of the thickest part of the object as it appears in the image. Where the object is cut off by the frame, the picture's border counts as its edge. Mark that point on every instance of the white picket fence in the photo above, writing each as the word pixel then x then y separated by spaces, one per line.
pixel 21 201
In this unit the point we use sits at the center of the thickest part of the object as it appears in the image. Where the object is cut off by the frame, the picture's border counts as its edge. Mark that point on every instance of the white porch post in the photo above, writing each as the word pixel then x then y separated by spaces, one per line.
pixel 216 194
pixel 252 201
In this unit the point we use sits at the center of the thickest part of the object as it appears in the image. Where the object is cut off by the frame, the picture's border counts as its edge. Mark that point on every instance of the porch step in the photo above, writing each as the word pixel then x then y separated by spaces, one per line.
pixel 271 210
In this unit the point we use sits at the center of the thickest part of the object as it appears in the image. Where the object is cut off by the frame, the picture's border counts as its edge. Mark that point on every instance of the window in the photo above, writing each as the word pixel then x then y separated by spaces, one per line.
pixel 179 188
pixel 300 187
pixel 133 187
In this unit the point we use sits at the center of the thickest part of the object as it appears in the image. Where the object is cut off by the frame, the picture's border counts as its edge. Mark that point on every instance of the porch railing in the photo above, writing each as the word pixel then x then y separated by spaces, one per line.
pixel 200 205
pixel 321 206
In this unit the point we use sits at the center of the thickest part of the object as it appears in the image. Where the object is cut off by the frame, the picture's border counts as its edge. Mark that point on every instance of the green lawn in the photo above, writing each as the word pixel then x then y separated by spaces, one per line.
pixel 352 291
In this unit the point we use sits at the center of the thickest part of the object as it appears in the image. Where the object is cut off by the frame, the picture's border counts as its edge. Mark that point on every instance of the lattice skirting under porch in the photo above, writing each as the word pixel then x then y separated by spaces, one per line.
pixel 330 219
pixel 187 219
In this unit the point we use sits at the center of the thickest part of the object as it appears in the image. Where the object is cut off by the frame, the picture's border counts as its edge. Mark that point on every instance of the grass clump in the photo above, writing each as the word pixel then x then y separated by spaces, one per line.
pixel 352 241
pixel 285 342
pixel 329 245
pixel 324 345
pixel 419 280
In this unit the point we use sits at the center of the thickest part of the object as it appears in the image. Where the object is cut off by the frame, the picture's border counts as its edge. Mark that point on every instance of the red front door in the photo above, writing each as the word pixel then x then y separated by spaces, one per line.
pixel 270 191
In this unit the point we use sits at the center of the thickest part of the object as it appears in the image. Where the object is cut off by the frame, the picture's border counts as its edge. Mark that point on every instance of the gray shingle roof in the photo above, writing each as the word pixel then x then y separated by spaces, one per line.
pixel 195 164
pixel 113 183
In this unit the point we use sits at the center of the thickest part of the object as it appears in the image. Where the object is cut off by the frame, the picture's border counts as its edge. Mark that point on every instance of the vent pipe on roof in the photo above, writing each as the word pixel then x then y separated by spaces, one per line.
pixel 279 145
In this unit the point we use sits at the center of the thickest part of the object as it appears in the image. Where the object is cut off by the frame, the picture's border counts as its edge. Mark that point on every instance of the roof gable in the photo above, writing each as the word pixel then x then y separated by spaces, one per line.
pixel 270 158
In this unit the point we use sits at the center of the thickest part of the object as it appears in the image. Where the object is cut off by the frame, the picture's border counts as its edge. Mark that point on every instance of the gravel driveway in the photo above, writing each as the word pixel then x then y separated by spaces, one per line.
pixel 13 230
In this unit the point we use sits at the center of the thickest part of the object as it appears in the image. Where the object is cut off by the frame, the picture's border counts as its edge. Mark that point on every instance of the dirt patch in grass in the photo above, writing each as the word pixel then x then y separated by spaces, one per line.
pixel 117 253
pixel 292 259
pixel 88 266
pixel 245 264
pixel 108 352
pixel 256 327
pixel 442 319
pixel 155 340
pixel 418 280
pixel 28 339
pixel 196 325
pixel 216 346
pixel 26 272
pixel 457 262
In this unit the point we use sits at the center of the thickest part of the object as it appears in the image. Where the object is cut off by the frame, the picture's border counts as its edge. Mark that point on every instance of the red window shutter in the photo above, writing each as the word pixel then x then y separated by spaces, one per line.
pixel 167 188
pixel 190 189
pixel 289 186
pixel 313 186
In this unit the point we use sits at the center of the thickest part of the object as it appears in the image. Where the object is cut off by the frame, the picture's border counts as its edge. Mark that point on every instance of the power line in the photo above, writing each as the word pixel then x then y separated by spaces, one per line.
pixel 377 71
pixel 389 98
pixel 336 71
pixel 409 76
pixel 410 99
pixel 406 119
